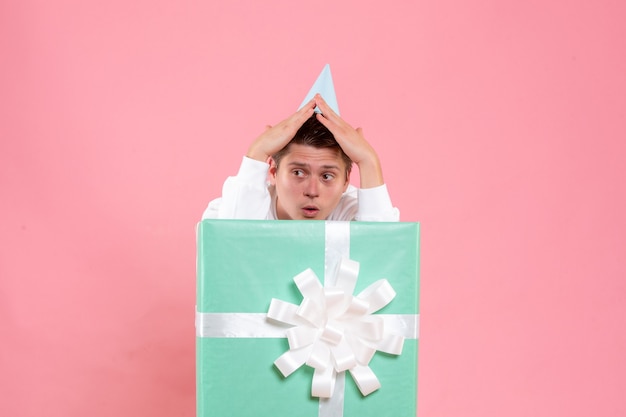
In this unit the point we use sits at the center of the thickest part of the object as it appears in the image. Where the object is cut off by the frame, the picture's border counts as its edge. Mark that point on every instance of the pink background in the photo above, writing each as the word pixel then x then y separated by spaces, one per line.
pixel 500 124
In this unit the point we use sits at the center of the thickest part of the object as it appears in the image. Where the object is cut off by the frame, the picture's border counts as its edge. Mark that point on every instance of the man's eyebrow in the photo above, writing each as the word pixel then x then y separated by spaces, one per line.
pixel 298 164
pixel 305 165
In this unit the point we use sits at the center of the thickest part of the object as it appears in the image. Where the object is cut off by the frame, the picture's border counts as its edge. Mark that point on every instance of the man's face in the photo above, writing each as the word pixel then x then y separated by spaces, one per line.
pixel 309 182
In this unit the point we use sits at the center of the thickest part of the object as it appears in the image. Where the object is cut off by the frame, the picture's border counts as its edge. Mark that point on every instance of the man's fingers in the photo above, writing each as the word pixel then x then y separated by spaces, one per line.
pixel 327 111
pixel 302 115
pixel 307 107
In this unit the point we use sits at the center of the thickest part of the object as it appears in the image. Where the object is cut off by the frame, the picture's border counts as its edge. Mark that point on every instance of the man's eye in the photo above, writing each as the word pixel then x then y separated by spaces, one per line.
pixel 328 177
pixel 298 172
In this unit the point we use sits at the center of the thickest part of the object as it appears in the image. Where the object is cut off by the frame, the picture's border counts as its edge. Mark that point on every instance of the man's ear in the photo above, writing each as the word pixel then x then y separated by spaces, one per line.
pixel 272 170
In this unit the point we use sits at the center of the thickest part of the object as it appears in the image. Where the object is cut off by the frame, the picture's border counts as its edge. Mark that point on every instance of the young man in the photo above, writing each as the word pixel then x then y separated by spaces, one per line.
pixel 308 157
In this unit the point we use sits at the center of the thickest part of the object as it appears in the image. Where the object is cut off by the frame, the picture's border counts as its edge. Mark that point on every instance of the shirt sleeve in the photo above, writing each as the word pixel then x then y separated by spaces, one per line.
pixel 375 205
pixel 244 196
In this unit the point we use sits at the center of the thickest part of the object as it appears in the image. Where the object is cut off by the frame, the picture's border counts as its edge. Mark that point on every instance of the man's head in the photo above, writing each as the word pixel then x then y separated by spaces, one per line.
pixel 310 174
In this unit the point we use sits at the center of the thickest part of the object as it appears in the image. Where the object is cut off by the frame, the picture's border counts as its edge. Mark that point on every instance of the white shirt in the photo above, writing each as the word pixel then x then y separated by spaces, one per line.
pixel 248 196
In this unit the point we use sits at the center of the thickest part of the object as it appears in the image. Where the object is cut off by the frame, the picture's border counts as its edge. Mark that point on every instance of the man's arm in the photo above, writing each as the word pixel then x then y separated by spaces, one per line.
pixel 374 201
pixel 375 205
pixel 353 144
pixel 277 137
pixel 245 196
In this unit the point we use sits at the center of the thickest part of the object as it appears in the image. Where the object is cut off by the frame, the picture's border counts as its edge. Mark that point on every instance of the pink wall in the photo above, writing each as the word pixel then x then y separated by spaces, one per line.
pixel 501 126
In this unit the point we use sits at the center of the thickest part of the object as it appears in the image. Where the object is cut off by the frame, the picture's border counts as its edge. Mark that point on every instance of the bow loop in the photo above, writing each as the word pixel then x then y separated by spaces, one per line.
pixel 379 294
pixel 334 331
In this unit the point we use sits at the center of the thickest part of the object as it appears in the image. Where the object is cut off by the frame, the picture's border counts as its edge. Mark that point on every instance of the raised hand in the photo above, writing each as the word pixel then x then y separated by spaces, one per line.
pixel 353 144
pixel 277 137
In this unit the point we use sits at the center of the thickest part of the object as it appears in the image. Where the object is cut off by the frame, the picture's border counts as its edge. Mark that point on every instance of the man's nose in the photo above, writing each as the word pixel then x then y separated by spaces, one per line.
pixel 311 188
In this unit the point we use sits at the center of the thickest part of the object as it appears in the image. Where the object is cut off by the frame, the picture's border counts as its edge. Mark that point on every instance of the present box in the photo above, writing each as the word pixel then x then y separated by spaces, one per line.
pixel 243 264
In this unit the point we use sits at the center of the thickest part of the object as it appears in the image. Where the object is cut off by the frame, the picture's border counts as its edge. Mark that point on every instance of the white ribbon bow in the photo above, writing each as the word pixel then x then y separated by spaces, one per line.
pixel 334 331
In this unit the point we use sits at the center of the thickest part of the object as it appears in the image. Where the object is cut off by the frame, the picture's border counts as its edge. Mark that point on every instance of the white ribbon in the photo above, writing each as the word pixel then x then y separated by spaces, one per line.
pixel 334 331
pixel 331 330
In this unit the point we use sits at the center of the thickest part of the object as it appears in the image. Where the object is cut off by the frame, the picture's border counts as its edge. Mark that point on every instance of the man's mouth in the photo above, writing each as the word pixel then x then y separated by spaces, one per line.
pixel 310 211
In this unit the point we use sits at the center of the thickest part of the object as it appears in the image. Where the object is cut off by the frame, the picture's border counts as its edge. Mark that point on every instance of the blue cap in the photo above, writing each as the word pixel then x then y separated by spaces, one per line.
pixel 324 86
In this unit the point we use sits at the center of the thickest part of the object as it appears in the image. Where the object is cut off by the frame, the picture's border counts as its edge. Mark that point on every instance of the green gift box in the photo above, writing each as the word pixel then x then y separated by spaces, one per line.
pixel 242 265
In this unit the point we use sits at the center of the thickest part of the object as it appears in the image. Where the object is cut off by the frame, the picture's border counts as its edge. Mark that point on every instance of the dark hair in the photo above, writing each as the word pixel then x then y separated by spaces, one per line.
pixel 313 133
